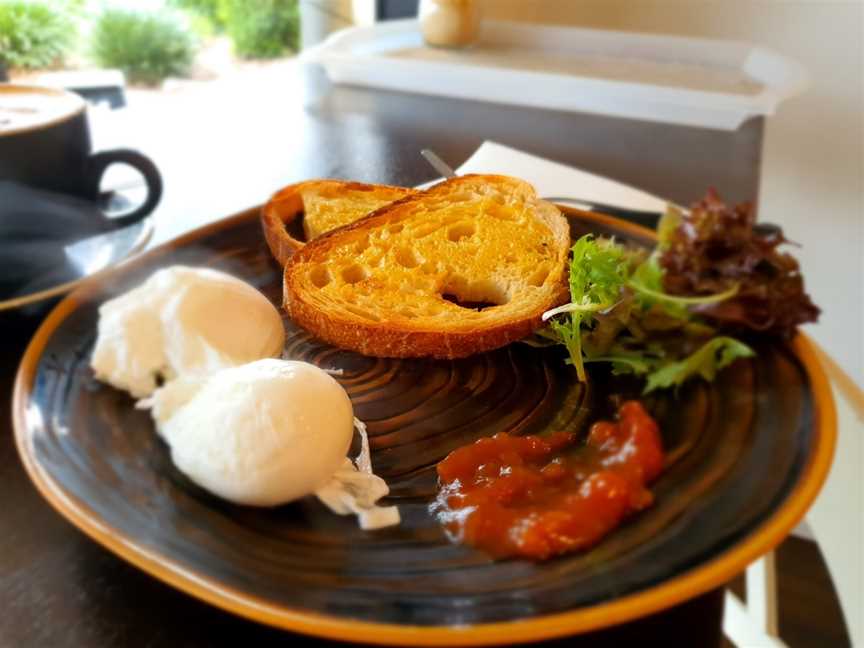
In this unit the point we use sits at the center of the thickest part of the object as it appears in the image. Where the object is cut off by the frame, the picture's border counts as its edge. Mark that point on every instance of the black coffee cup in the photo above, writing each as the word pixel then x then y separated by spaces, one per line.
pixel 45 144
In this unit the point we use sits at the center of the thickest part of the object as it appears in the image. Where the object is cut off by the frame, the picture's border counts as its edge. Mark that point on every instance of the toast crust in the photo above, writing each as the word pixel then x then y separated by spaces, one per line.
pixel 280 215
pixel 450 331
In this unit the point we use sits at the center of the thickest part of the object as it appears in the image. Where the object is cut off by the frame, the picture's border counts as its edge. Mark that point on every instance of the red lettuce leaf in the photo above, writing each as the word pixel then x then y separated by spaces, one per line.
pixel 715 247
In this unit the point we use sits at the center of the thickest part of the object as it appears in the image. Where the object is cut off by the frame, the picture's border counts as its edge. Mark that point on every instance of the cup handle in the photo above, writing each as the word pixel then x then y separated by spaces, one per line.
pixel 99 162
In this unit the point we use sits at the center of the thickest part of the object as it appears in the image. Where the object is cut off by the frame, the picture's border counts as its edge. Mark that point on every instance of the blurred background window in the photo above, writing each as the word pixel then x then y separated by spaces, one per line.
pixel 392 9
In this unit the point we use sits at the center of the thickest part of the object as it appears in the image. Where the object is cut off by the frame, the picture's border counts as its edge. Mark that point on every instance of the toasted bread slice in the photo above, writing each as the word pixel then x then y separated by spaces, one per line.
pixel 324 205
pixel 464 267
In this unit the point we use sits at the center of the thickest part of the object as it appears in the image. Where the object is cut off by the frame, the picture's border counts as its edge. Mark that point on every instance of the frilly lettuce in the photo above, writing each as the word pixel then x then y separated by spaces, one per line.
pixel 618 313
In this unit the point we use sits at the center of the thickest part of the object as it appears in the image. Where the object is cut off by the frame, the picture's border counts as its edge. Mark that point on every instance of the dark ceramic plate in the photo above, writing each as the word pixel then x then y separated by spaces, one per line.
pixel 747 455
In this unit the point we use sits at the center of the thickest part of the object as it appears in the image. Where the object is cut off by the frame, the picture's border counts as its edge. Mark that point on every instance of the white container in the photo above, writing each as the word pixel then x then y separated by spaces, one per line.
pixel 689 81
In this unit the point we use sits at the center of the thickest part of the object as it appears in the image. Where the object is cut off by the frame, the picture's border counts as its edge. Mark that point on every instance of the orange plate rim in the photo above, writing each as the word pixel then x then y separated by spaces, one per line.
pixel 712 574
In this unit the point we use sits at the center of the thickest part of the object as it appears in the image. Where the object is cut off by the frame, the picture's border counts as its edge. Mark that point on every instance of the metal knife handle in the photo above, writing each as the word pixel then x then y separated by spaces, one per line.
pixel 438 164
pixel 638 216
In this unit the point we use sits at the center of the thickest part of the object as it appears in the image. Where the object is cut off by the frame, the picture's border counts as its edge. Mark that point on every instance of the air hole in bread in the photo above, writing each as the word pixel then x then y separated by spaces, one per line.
pixel 468 305
pixel 361 245
pixel 501 212
pixel 474 295
pixel 295 228
pixel 354 273
pixel 319 275
pixel 538 277
pixel 460 231
pixel 395 229
pixel 406 257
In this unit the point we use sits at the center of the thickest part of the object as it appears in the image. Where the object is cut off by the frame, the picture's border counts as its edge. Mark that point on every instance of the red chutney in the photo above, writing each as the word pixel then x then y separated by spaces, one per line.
pixel 537 497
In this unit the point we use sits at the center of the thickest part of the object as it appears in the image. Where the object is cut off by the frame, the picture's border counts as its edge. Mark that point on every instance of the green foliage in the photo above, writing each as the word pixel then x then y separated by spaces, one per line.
pixel 35 35
pixel 261 28
pixel 619 314
pixel 714 355
pixel 148 47
pixel 205 14
pixel 257 28
pixel 201 27
pixel 598 270
pixel 207 8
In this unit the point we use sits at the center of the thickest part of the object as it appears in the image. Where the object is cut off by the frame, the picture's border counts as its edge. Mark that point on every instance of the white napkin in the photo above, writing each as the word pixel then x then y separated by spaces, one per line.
pixel 556 179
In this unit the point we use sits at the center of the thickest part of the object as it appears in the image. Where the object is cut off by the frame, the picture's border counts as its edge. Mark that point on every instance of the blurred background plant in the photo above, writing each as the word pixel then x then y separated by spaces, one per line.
pixel 37 34
pixel 149 40
pixel 261 28
pixel 148 46
pixel 257 28
pixel 204 16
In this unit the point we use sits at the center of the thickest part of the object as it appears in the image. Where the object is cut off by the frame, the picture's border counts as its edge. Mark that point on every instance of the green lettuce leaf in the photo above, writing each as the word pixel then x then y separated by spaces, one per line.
pixel 619 314
pixel 630 361
pixel 667 225
pixel 598 270
pixel 647 282
pixel 706 361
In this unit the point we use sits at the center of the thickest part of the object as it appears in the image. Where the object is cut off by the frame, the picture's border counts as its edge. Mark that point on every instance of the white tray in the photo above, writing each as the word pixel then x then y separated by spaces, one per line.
pixel 690 81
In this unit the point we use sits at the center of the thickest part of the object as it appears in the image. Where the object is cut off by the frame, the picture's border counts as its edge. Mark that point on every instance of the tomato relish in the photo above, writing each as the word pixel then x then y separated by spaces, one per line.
pixel 540 496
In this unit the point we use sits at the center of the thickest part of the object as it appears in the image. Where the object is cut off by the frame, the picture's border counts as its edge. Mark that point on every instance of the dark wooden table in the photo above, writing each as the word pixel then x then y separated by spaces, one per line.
pixel 59 589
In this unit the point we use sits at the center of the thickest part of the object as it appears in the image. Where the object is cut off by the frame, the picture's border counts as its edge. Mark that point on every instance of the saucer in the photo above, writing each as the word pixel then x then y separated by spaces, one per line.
pixel 45 253
pixel 95 255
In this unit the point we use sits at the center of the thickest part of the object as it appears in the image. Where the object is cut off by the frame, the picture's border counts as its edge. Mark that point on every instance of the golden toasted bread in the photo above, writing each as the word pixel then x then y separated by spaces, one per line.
pixel 464 267
pixel 324 205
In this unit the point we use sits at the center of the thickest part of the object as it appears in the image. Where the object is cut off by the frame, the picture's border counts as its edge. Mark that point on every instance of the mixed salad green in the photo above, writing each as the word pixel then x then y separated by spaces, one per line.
pixel 619 313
